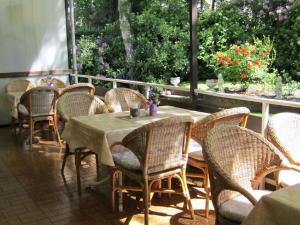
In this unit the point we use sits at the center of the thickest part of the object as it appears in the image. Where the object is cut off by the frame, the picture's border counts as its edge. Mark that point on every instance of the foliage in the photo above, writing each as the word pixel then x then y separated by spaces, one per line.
pixel 160 39
pixel 246 62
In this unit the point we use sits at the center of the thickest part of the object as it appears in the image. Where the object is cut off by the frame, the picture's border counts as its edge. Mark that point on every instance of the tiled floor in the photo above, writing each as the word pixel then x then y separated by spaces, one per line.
pixel 33 192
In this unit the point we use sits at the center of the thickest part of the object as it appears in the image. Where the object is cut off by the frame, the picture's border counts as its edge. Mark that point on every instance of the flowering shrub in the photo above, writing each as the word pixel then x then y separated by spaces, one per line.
pixel 90 56
pixel 246 62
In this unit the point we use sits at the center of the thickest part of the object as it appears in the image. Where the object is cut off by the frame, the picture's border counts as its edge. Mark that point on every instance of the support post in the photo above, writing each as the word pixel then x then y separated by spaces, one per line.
pixel 115 84
pixel 265 117
pixel 147 93
pixel 72 19
pixel 193 48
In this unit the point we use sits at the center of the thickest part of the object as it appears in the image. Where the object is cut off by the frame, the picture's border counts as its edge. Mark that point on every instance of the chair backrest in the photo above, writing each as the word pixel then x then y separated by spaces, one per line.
pixel 18 86
pixel 233 116
pixel 120 99
pixel 79 104
pixel 53 82
pixel 161 145
pixel 236 157
pixel 40 101
pixel 80 87
pixel 283 131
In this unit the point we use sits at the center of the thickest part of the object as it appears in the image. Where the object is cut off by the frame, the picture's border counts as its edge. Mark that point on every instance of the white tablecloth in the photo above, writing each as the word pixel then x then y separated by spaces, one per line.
pixel 97 132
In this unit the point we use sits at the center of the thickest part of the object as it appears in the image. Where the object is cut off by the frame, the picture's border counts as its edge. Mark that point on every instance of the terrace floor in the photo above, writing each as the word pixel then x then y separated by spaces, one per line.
pixel 33 192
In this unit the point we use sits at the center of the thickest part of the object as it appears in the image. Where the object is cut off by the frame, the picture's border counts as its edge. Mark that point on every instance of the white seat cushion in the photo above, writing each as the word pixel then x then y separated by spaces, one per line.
pixel 288 178
pixel 22 110
pixel 126 158
pixel 238 208
pixel 195 150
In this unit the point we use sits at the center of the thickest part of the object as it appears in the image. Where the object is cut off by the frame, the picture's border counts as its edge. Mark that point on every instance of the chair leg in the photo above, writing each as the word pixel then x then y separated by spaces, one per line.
pixel 207 192
pixel 97 165
pixel 31 130
pixel 169 185
pixel 113 188
pixel 146 200
pixel 77 165
pixel 186 193
pixel 66 154
pixel 56 132
pixel 13 125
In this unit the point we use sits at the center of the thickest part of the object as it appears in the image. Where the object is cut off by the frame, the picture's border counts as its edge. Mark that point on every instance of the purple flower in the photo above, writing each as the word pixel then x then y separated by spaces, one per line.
pixel 78 66
pixel 101 61
pixel 291 1
pixel 101 50
pixel 106 65
pixel 271 13
pixel 280 18
pixel 261 12
pixel 265 7
pixel 104 44
pixel 98 41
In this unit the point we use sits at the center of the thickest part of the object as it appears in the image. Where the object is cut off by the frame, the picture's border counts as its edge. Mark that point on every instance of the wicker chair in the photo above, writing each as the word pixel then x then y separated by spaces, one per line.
pixel 234 116
pixel 150 153
pixel 38 104
pixel 80 87
pixel 283 131
pixel 238 159
pixel 56 83
pixel 17 86
pixel 78 104
pixel 120 99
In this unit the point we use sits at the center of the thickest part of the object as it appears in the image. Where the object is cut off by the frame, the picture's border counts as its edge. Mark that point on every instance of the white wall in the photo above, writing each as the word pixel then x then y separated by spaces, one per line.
pixel 32 35
pixel 32 38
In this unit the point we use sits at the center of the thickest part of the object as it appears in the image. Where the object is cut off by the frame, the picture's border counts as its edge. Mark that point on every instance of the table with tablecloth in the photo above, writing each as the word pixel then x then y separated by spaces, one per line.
pixel 98 132
pixel 281 207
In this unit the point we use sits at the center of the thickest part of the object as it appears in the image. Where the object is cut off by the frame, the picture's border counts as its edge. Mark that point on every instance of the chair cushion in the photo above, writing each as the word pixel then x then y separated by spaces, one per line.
pixel 125 158
pixel 22 110
pixel 238 208
pixel 288 178
pixel 195 150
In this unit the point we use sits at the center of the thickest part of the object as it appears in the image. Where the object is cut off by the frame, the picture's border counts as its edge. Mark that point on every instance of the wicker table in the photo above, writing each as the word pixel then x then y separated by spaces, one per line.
pixel 279 207
pixel 97 132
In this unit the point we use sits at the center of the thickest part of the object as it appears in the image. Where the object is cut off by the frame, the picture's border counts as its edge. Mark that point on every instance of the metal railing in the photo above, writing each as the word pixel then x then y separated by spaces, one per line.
pixel 266 102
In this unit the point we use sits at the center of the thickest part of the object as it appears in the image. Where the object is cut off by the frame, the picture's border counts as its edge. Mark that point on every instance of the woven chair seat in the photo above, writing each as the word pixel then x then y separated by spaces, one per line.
pixel 126 158
pixel 238 208
pixel 288 178
pixel 195 150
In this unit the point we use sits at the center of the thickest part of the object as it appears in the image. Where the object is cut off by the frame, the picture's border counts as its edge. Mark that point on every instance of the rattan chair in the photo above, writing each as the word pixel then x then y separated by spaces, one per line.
pixel 150 153
pixel 233 116
pixel 38 104
pixel 78 104
pixel 16 86
pixel 283 131
pixel 238 159
pixel 80 87
pixel 56 83
pixel 120 99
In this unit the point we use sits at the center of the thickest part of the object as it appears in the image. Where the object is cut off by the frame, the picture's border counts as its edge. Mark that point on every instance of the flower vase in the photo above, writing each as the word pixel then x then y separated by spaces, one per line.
pixel 153 109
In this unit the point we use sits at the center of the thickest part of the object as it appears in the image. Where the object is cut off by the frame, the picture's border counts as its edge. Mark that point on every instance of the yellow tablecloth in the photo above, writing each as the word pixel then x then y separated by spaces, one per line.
pixel 281 207
pixel 97 132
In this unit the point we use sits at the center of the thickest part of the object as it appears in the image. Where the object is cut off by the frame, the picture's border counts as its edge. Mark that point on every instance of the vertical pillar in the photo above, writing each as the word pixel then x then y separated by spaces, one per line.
pixel 193 48
pixel 72 19
pixel 265 117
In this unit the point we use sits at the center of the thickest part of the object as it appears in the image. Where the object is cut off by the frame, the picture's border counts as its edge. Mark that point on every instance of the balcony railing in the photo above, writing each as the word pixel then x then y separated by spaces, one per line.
pixel 266 102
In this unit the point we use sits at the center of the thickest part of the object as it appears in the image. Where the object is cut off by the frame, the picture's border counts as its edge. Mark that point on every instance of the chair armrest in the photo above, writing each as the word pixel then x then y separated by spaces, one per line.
pixel 114 144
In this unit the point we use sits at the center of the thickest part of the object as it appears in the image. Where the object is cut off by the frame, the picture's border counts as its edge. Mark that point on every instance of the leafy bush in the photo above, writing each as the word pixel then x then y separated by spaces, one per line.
pixel 246 62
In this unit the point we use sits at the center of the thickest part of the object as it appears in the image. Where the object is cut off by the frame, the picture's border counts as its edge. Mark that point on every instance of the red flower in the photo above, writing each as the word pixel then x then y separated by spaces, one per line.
pixel 237 50
pixel 243 76
pixel 220 58
pixel 253 52
pixel 249 65
pixel 257 62
pixel 234 63
pixel 225 63
pixel 228 59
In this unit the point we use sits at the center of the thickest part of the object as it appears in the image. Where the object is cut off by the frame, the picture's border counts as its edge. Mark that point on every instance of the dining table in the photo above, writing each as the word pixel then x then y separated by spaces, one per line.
pixel 281 207
pixel 99 131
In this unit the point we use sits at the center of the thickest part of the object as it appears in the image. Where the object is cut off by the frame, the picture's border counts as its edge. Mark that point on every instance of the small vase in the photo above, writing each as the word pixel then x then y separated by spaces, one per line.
pixel 153 110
